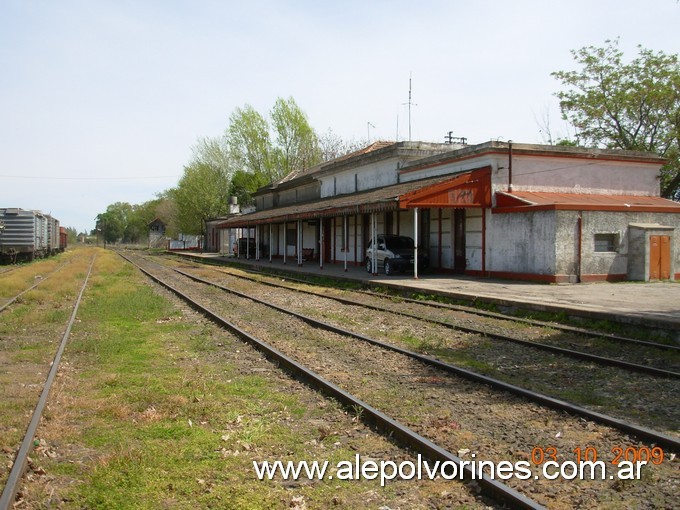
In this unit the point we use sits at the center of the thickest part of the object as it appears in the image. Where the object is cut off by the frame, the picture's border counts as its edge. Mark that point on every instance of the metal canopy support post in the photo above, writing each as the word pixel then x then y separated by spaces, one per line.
pixel 257 242
pixel 248 243
pixel 415 243
pixel 320 243
pixel 345 244
pixel 285 241
pixel 270 243
pixel 299 243
pixel 374 244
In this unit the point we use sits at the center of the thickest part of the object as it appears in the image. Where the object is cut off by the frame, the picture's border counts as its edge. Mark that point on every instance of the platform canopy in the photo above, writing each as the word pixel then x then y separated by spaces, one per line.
pixel 525 201
pixel 388 198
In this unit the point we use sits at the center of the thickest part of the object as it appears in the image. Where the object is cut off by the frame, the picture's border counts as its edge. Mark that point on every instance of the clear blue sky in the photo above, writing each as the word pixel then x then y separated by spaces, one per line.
pixel 101 101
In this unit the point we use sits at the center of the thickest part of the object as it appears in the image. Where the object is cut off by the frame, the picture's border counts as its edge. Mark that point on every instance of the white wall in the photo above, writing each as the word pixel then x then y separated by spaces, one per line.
pixel 374 175
pixel 577 175
pixel 521 243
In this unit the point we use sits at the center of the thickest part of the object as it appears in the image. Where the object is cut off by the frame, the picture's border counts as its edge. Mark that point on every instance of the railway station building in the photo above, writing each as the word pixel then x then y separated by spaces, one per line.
pixel 496 209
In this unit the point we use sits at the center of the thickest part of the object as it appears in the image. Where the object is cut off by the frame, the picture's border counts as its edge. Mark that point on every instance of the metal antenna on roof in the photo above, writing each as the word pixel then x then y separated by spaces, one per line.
pixel 368 129
pixel 409 106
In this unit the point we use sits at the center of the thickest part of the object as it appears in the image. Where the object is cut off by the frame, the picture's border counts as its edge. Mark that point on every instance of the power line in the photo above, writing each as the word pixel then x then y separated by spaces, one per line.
pixel 54 178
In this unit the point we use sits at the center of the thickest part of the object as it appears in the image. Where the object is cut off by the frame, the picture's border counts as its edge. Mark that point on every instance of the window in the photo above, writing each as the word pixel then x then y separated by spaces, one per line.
pixel 606 242
pixel 291 237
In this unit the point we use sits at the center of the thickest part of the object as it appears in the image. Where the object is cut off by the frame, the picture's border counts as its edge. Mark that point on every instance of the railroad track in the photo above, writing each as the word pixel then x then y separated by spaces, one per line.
pixel 647 399
pixel 301 342
pixel 7 499
pixel 42 279
pixel 615 340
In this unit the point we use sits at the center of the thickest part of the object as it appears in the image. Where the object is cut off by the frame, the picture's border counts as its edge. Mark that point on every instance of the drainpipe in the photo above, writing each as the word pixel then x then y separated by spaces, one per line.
pixel 509 166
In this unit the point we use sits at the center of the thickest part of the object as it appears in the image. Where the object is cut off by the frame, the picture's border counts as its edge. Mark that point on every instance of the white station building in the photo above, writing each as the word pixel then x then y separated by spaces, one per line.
pixel 496 209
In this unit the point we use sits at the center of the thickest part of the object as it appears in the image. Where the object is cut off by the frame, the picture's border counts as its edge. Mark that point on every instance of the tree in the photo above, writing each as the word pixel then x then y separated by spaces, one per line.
pixel 202 193
pixel 633 106
pixel 271 148
pixel 249 142
pixel 297 146
pixel 333 146
pixel 112 223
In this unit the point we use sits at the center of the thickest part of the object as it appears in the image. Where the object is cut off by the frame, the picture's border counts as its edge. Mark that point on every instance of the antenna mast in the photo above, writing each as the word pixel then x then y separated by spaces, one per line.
pixel 409 106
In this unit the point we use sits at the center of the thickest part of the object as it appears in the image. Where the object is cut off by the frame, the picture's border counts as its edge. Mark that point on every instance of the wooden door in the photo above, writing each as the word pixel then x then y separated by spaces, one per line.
pixel 659 257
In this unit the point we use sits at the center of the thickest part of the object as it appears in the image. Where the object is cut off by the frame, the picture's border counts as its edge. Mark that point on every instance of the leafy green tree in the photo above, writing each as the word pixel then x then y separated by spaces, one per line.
pixel 202 193
pixel 632 106
pixel 112 223
pixel 244 184
pixel 297 145
pixel 270 149
pixel 249 142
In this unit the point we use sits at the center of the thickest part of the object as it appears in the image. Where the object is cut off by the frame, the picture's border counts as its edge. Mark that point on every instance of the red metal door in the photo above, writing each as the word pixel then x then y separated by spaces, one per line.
pixel 665 257
pixel 654 258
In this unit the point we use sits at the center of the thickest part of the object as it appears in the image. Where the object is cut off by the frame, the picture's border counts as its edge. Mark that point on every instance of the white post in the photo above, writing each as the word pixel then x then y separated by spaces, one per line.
pixel 248 243
pixel 320 243
pixel 415 243
pixel 299 243
pixel 239 234
pixel 257 242
pixel 285 241
pixel 270 242
pixel 374 244
pixel 346 243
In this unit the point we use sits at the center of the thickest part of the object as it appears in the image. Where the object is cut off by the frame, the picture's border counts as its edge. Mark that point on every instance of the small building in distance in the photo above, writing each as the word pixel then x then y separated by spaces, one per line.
pixel 157 237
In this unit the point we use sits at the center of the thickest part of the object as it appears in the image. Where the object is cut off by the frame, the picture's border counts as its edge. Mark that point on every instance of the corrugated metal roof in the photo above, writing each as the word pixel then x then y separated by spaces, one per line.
pixel 381 199
pixel 522 200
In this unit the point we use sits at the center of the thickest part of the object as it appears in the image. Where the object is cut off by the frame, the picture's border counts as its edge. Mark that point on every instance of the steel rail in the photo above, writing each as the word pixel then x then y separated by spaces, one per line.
pixel 602 360
pixel 19 466
pixel 372 415
pixel 466 309
pixel 12 300
pixel 645 433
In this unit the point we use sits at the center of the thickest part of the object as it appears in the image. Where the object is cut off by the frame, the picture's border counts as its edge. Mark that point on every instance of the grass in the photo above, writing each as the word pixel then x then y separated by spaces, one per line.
pixel 158 411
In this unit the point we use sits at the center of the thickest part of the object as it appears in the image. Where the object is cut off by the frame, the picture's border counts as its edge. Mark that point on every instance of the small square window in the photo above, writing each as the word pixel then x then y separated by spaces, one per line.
pixel 606 242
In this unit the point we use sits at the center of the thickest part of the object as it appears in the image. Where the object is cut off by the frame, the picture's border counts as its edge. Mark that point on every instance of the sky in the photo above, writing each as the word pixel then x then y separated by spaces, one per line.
pixel 101 101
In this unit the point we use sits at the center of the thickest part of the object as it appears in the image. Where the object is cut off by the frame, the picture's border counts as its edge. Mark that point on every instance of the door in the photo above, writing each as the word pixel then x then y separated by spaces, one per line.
pixel 459 240
pixel 659 257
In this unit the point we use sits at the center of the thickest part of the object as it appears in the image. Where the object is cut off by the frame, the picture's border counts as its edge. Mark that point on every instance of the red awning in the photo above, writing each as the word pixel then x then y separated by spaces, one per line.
pixel 472 189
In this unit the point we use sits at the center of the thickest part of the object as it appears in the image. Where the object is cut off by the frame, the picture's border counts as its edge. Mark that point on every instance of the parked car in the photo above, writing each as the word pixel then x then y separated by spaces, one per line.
pixel 394 253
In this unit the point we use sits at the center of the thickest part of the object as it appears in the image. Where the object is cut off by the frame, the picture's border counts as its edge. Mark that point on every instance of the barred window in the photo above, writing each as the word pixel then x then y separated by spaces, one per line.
pixel 606 242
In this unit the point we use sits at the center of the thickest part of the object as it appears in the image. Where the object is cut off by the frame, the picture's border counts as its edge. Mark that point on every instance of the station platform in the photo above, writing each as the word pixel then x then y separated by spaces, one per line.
pixel 654 304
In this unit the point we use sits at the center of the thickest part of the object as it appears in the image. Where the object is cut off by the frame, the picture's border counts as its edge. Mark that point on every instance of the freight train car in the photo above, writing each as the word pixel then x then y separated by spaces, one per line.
pixel 26 235
pixel 63 239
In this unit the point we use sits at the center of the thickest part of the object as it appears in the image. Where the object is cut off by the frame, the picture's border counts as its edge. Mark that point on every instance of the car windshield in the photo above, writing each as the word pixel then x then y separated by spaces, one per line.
pixel 399 243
